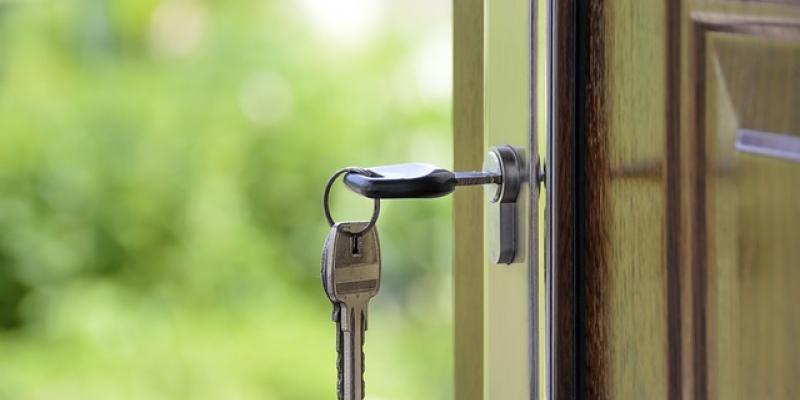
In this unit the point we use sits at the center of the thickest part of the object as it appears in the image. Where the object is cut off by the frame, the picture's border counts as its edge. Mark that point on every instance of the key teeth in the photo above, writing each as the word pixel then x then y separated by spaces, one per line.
pixel 339 363
pixel 363 368
pixel 363 385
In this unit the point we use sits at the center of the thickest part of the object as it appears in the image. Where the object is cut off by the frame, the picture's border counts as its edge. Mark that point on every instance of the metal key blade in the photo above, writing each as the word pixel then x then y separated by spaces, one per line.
pixel 327 260
pixel 352 279
pixel 339 353
pixel 354 355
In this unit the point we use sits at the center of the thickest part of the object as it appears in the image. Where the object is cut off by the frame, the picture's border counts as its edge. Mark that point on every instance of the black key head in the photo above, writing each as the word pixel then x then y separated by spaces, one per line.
pixel 402 181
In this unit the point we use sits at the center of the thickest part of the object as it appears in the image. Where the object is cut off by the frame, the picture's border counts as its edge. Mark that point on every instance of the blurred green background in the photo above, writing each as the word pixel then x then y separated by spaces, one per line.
pixel 161 166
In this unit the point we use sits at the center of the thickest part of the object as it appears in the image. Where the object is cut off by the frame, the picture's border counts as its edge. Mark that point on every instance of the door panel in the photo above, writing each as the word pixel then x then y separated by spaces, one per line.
pixel 495 315
pixel 749 291
pixel 674 241
pixel 468 203
pixel 508 313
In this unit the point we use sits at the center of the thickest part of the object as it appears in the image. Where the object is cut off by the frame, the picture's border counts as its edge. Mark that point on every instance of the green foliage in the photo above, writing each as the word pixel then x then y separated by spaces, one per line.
pixel 161 165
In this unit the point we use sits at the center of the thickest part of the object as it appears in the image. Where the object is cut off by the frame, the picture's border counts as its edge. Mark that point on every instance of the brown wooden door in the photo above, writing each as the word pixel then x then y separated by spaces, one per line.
pixel 676 238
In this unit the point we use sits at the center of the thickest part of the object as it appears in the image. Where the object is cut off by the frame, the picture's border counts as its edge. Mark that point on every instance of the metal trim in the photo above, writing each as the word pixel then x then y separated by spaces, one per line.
pixel 550 205
pixel 768 144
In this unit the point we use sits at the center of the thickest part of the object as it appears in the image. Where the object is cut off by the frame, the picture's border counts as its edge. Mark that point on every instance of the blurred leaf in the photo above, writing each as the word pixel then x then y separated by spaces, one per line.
pixel 161 167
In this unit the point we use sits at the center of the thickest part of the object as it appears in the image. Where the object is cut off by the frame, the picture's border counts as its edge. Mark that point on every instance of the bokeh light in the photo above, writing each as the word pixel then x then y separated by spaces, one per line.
pixel 161 167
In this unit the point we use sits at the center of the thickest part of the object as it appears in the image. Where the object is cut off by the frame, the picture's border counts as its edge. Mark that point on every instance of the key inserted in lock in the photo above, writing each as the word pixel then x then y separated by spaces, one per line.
pixel 504 168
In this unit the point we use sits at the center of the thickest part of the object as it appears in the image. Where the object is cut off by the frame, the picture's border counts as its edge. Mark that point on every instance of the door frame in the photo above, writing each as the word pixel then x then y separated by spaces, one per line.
pixel 497 308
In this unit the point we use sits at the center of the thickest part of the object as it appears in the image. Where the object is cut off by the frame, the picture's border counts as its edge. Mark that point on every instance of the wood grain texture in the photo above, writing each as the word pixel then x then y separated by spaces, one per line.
pixel 562 308
pixel 676 256
pixel 744 73
pixel 683 278
pixel 591 193
pixel 674 214
pixel 621 217
pixel 468 101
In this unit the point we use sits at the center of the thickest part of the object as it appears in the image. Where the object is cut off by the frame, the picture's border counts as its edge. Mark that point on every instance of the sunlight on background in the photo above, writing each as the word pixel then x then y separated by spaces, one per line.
pixel 344 23
pixel 161 167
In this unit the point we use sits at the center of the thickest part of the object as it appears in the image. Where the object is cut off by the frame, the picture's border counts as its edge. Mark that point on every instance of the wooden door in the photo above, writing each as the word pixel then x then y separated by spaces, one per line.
pixel 676 238
pixel 672 232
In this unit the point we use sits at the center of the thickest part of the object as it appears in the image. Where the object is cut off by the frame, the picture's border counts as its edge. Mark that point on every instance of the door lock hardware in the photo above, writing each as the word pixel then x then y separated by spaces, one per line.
pixel 502 215
pixel 504 172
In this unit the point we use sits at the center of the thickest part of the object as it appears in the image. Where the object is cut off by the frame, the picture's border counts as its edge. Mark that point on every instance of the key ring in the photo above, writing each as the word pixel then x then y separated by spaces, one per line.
pixel 326 194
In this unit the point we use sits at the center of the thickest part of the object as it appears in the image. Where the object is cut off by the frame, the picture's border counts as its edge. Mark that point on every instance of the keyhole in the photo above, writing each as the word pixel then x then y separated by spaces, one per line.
pixel 355 245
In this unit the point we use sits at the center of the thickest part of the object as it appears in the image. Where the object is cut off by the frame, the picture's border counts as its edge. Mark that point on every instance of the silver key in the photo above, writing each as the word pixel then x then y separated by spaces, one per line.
pixel 351 269
pixel 334 316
